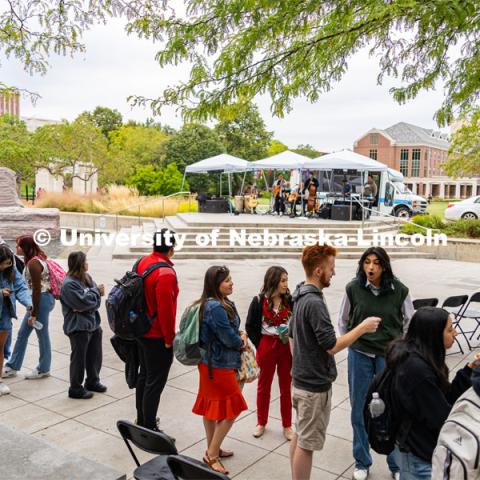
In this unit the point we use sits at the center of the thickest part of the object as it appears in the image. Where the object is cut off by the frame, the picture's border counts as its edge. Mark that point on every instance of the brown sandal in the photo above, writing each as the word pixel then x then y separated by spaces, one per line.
pixel 215 464
pixel 224 453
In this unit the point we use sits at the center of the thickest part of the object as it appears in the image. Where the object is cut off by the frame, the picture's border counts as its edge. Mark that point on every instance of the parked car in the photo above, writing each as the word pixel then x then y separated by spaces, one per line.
pixel 468 209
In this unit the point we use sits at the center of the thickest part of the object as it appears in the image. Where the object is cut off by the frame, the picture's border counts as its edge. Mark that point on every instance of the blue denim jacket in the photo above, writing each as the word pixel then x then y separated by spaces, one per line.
pixel 18 291
pixel 224 335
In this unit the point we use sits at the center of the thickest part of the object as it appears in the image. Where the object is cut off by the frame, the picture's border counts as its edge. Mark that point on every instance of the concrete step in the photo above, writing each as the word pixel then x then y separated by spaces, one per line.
pixel 273 254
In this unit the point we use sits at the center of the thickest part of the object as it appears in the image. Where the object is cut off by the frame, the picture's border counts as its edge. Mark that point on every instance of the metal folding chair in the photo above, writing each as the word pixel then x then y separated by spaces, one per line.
pixel 455 305
pixel 185 468
pixel 152 442
pixel 425 302
pixel 471 310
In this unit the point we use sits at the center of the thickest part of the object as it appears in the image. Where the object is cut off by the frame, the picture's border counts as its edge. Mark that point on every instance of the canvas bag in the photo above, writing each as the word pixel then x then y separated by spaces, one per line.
pixel 249 371
pixel 186 345
pixel 457 454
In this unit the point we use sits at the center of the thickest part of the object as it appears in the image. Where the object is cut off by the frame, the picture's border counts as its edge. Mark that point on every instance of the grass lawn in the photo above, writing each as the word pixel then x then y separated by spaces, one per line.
pixel 437 208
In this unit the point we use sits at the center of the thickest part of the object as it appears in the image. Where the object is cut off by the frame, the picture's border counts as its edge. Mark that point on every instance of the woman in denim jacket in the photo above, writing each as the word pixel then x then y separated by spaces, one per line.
pixel 219 398
pixel 12 287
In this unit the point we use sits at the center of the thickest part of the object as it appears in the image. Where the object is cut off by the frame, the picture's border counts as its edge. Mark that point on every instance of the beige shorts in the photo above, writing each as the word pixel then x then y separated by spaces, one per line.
pixel 313 415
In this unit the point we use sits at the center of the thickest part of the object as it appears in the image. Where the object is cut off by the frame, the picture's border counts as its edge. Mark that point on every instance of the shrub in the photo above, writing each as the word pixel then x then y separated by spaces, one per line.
pixel 464 228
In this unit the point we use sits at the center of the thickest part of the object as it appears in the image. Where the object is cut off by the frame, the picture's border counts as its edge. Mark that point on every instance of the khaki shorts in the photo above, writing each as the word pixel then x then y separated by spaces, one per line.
pixel 313 415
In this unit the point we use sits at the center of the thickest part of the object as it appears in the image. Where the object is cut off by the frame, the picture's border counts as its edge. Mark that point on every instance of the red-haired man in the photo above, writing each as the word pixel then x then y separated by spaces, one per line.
pixel 314 343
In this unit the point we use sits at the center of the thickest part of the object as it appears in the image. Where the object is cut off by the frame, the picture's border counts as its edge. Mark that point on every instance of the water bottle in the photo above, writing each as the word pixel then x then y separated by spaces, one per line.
pixel 37 325
pixel 132 316
pixel 377 406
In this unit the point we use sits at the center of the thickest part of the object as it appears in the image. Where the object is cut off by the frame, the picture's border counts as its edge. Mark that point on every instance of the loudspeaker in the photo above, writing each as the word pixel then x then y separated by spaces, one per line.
pixel 341 212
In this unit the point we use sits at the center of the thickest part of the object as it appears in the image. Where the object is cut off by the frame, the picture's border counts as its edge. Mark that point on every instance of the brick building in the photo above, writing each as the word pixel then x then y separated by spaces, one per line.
pixel 418 153
pixel 10 104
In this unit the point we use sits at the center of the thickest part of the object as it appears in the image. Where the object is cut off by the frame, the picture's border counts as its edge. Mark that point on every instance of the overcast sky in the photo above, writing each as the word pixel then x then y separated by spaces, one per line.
pixel 115 66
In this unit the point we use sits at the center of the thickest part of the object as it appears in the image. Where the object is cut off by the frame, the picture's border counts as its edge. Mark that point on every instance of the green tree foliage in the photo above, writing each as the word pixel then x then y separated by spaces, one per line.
pixel 276 147
pixel 151 180
pixel 16 147
pixel 132 146
pixel 63 148
pixel 242 130
pixel 464 154
pixel 31 30
pixel 308 151
pixel 191 144
pixel 239 49
pixel 106 119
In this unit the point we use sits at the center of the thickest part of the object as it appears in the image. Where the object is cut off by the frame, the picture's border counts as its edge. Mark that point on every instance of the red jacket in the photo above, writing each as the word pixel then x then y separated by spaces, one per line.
pixel 161 292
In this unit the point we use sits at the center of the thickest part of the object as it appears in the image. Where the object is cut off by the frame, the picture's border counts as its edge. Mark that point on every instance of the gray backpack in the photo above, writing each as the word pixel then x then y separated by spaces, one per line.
pixel 457 454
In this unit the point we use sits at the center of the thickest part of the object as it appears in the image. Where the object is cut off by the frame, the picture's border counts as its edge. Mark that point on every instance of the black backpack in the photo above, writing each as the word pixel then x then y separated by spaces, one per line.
pixel 389 427
pixel 126 304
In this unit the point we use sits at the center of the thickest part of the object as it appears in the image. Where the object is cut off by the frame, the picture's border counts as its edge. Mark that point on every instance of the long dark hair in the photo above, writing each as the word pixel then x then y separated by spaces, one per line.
pixel 30 248
pixel 387 274
pixel 214 276
pixel 5 255
pixel 76 268
pixel 272 279
pixel 424 337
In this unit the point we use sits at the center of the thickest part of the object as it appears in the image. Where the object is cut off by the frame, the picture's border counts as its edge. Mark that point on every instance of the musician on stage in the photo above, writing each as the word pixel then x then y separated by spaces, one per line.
pixel 251 194
pixel 347 187
pixel 295 198
pixel 310 192
pixel 311 179
pixel 278 194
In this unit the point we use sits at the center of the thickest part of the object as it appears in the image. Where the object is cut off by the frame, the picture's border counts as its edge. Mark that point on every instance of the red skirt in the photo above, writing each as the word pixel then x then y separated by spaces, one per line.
pixel 220 397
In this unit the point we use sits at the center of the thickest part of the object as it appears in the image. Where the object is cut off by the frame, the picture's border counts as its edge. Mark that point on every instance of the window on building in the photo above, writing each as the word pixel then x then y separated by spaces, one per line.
pixel 404 161
pixel 425 164
pixel 374 139
pixel 373 154
pixel 416 162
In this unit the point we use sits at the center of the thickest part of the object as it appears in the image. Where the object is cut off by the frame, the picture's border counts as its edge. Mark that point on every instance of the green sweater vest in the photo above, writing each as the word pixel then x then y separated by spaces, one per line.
pixel 387 306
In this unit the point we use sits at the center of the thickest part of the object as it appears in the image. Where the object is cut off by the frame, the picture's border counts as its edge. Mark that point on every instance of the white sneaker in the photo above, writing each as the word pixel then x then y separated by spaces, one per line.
pixel 36 374
pixel 396 475
pixel 9 372
pixel 4 390
pixel 360 474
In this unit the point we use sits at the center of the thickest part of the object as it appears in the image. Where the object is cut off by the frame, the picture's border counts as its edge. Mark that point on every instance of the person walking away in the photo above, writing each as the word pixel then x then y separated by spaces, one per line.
pixel 267 327
pixel 314 344
pixel 80 297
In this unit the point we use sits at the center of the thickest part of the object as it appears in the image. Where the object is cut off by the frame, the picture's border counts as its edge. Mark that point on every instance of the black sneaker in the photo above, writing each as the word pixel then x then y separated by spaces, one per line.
pixel 82 395
pixel 99 388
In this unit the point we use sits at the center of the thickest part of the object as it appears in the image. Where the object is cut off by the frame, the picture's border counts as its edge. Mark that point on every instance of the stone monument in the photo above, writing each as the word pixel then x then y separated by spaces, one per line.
pixel 15 219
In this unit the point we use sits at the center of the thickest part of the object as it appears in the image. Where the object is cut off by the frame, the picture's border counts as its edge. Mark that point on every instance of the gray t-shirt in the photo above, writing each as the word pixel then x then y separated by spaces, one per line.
pixel 311 329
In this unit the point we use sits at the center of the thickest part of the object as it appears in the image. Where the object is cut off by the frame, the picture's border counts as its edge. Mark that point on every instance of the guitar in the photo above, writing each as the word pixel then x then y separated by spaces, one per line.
pixel 252 201
pixel 293 197
pixel 276 190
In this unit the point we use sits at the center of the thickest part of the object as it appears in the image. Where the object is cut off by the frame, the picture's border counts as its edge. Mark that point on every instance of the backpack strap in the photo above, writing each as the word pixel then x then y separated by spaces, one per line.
pixel 154 267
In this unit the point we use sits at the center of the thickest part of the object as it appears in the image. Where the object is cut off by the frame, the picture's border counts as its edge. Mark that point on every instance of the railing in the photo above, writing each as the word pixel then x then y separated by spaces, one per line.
pixel 384 214
pixel 138 206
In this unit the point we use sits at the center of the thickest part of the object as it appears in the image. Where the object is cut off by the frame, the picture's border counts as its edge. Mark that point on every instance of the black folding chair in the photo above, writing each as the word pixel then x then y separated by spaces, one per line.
pixel 456 305
pixel 425 302
pixel 149 441
pixel 185 468
pixel 471 310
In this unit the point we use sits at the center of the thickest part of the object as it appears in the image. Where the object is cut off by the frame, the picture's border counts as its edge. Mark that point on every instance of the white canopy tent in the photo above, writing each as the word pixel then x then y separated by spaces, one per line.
pixel 219 163
pixel 223 163
pixel 346 160
pixel 286 160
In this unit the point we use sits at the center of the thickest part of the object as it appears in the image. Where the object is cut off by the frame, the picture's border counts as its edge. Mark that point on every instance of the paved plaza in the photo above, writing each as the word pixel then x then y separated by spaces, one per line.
pixel 88 428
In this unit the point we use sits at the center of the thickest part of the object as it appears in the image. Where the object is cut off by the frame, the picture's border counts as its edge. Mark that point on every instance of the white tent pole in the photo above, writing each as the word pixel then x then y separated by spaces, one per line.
pixel 220 184
pixel 243 182
pixel 183 179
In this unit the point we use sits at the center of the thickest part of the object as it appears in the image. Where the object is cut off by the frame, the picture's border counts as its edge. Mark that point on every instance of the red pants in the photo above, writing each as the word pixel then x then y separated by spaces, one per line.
pixel 273 354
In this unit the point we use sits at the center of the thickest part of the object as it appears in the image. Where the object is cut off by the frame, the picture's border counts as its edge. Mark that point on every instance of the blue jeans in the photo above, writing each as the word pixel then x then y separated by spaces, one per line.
pixel 361 370
pixel 47 302
pixel 7 350
pixel 412 467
